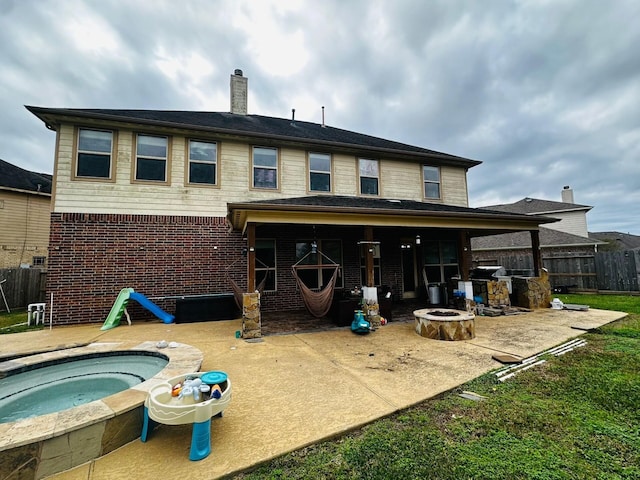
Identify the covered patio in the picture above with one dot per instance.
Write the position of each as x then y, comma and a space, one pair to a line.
399, 246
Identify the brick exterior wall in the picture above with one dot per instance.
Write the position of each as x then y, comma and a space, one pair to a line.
93, 256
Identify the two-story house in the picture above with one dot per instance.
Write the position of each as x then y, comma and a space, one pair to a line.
175, 203
568, 236
25, 210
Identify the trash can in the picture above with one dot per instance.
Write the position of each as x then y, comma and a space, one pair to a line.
434, 294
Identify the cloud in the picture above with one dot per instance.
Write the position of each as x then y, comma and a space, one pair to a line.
545, 93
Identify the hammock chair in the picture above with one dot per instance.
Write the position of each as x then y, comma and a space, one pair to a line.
318, 303
237, 291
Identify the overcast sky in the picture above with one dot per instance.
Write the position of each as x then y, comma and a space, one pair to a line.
545, 93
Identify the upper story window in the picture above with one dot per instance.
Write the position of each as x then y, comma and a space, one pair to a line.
265, 167
151, 158
95, 150
369, 176
431, 179
319, 172
203, 162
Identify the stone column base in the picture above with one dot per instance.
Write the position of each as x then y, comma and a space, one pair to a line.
251, 319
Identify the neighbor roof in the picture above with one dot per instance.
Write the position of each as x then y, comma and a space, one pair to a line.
548, 238
534, 206
623, 241
16, 178
253, 126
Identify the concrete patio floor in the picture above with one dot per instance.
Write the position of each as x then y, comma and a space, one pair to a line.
290, 391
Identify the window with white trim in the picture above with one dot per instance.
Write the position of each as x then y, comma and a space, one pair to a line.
95, 150
431, 179
39, 261
151, 158
369, 176
203, 162
265, 168
319, 172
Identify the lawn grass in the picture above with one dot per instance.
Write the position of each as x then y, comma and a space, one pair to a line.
575, 417
15, 322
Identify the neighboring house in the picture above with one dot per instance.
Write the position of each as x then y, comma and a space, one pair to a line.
25, 210
568, 236
616, 241
567, 251
167, 202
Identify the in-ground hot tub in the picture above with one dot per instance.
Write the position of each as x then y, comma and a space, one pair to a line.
445, 324
39, 446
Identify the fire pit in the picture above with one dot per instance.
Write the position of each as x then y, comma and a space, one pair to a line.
445, 324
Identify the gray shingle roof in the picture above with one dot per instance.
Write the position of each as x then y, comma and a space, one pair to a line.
18, 178
354, 203
517, 240
623, 241
256, 126
531, 206
344, 201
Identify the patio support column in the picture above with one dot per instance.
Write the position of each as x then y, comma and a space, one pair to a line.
464, 253
535, 250
368, 255
251, 257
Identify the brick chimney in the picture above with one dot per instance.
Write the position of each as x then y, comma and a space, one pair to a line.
238, 93
567, 194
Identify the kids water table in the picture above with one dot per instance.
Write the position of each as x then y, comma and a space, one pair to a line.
161, 406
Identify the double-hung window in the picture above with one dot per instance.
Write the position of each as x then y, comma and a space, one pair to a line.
95, 150
431, 179
369, 176
203, 162
151, 158
265, 168
319, 172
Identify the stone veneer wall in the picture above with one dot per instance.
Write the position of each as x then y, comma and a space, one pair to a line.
532, 292
494, 293
251, 319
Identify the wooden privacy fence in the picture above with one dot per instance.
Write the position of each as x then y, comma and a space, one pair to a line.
615, 271
618, 271
22, 287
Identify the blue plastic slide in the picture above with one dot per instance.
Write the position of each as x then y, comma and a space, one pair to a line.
152, 307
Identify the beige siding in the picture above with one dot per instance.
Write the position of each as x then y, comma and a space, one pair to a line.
570, 222
454, 186
345, 175
402, 180
24, 228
